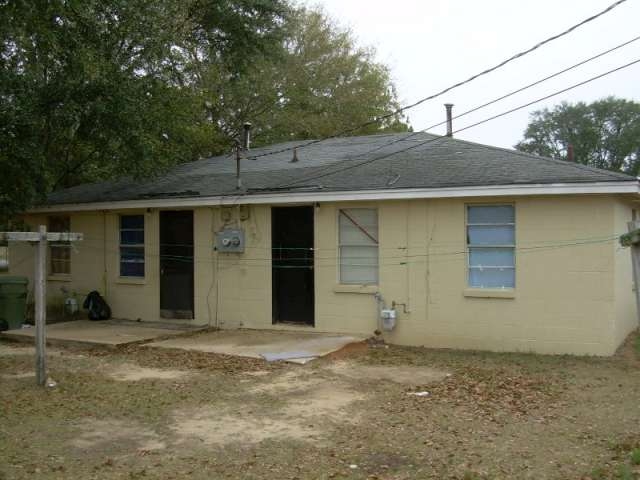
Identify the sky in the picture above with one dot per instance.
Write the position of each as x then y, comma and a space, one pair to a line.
431, 44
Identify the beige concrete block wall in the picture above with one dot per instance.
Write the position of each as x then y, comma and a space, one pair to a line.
244, 280
571, 292
563, 299
87, 259
626, 319
95, 265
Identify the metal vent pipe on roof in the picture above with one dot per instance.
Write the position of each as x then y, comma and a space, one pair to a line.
246, 136
449, 107
238, 157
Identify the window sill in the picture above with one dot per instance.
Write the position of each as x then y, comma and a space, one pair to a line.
489, 292
346, 288
131, 281
60, 277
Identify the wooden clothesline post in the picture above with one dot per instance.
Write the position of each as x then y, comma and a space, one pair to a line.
41, 238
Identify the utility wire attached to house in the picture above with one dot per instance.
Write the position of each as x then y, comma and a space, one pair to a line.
403, 109
439, 138
386, 259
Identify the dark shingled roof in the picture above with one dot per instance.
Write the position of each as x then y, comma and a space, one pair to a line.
443, 162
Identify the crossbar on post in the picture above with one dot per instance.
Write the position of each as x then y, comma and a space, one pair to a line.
41, 238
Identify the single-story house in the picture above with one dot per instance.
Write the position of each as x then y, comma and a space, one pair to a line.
471, 246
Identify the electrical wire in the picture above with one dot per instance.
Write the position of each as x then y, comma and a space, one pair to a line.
384, 260
502, 97
403, 109
439, 138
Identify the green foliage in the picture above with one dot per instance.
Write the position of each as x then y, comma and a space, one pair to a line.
96, 89
635, 453
625, 472
316, 84
604, 134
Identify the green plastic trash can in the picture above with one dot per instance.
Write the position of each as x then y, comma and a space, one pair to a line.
13, 300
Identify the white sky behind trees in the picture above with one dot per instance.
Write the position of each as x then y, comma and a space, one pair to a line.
431, 44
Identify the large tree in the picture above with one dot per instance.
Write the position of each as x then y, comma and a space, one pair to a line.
93, 89
604, 134
318, 83
96, 89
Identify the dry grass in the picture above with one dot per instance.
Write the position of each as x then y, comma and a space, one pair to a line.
496, 416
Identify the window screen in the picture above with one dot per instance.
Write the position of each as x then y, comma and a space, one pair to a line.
358, 243
491, 246
4, 257
132, 245
59, 252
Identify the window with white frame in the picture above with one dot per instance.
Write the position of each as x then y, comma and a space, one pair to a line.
59, 251
132, 245
4, 257
358, 244
491, 242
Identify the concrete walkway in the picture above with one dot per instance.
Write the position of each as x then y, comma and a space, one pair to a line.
270, 345
106, 332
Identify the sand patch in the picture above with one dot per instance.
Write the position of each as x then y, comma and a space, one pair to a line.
298, 407
15, 376
257, 373
14, 351
288, 382
116, 435
405, 375
210, 427
133, 373
327, 401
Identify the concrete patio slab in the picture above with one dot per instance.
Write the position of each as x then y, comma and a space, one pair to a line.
106, 333
270, 345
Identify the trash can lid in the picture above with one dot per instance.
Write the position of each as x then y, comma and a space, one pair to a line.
8, 280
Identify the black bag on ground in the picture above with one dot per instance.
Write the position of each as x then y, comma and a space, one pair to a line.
98, 308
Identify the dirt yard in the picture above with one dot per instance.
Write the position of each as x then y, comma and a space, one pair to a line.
383, 413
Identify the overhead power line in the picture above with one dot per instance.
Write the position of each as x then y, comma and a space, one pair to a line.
502, 97
520, 107
442, 92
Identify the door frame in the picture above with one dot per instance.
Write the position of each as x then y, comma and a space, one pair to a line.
313, 310
173, 316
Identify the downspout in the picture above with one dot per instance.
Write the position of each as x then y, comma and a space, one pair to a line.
407, 307
104, 252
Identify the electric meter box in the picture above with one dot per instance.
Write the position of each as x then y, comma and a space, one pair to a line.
230, 240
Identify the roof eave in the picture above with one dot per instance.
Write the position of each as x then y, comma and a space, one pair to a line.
586, 188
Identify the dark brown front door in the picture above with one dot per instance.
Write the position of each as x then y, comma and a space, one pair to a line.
176, 264
292, 265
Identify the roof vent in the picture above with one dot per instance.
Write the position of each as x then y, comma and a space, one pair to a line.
246, 136
295, 156
449, 107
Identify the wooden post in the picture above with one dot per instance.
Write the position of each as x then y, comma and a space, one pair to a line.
41, 306
41, 238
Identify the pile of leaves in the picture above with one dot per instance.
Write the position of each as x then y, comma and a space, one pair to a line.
490, 392
168, 358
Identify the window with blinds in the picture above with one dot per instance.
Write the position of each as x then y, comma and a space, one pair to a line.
60, 252
358, 245
491, 246
132, 245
